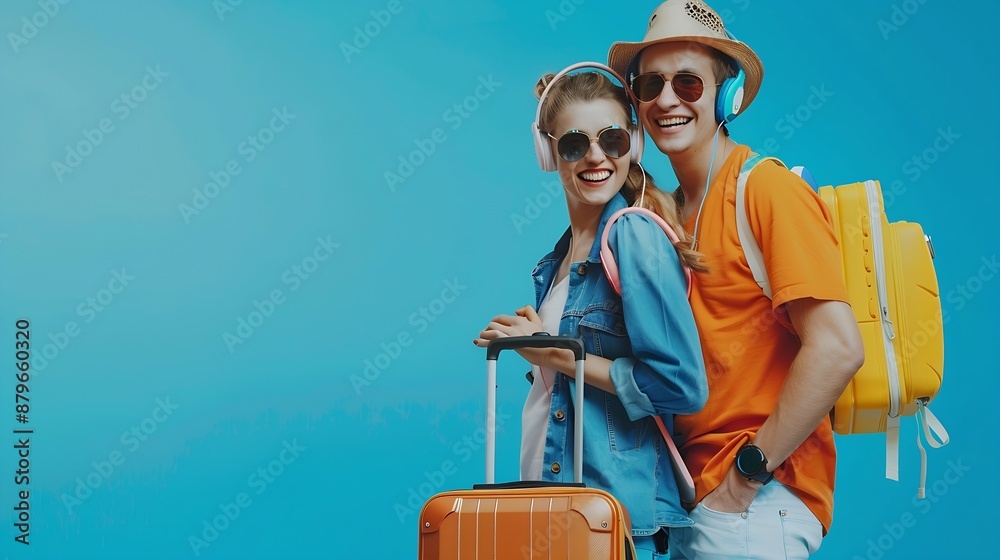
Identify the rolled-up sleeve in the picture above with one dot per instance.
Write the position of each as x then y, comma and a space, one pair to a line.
666, 374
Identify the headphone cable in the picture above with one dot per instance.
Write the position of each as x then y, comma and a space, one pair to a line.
708, 182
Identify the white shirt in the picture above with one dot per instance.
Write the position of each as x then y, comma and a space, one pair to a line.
535, 417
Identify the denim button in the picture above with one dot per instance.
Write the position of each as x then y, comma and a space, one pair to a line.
556, 468
582, 269
560, 415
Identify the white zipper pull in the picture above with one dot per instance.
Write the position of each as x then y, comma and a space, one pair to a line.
887, 323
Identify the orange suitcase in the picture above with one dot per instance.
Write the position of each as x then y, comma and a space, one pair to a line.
530, 519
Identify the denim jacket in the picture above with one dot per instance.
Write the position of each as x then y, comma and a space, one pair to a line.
657, 368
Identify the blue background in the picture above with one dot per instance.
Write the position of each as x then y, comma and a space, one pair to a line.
410, 428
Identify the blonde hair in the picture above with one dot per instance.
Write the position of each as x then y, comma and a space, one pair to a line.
593, 86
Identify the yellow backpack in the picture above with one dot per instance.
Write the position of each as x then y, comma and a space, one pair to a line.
893, 291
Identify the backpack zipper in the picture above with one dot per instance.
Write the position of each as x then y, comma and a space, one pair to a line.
875, 218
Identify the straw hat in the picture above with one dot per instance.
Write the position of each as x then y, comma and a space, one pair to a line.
694, 21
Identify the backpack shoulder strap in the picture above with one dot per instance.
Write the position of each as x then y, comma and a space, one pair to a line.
685, 484
751, 249
608, 258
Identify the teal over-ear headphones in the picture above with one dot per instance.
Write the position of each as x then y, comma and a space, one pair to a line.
729, 100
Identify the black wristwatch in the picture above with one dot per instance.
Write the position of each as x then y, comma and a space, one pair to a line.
752, 464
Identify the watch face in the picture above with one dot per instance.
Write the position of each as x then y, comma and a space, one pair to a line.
750, 461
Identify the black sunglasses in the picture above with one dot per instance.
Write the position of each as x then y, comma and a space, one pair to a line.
573, 145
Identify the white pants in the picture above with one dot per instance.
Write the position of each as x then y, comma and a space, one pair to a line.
777, 525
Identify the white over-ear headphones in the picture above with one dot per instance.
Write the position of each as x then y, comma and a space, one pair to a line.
543, 147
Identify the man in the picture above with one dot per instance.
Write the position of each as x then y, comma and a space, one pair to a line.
776, 365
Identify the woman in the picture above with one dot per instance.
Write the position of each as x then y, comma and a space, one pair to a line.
643, 353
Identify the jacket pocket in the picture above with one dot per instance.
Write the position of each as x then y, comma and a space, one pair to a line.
604, 328
625, 435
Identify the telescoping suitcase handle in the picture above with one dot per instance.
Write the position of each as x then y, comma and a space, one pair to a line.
537, 340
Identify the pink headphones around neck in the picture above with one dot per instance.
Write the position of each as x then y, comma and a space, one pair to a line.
543, 148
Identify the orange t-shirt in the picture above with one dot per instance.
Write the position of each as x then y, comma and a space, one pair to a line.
747, 340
